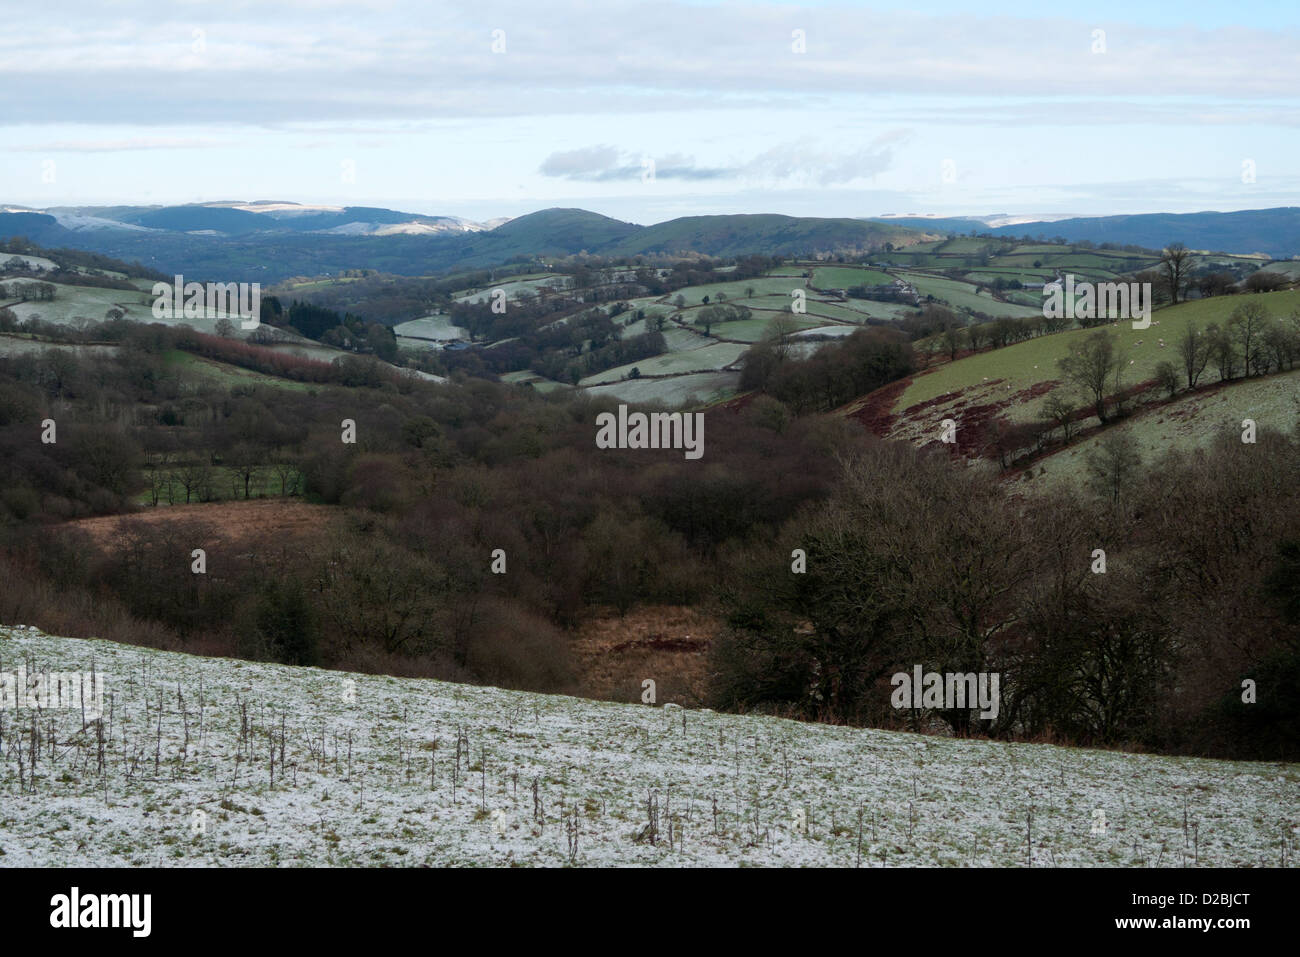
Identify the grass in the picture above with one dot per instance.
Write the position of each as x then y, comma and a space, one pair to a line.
512, 287
225, 488
12, 344
1190, 422
1028, 363
735, 291
961, 295
439, 328
842, 277
692, 389
704, 359
752, 330
228, 376
370, 777
92, 302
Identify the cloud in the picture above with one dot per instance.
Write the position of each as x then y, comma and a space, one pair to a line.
144, 62
605, 164
120, 145
821, 167
795, 161
591, 164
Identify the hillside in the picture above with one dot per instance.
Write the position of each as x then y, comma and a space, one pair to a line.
769, 234
234, 242
1275, 232
1015, 381
80, 309
558, 231
213, 762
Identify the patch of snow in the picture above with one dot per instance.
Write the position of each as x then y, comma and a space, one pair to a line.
220, 762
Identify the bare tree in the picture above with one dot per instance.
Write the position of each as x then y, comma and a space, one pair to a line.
953, 338
1194, 349
1247, 325
1089, 367
1113, 465
780, 333
1060, 412
1167, 376
1175, 263
1222, 351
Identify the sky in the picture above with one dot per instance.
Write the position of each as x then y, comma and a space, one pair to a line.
650, 110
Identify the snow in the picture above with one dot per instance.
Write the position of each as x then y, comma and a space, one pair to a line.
78, 222
37, 263
443, 225
925, 800
288, 209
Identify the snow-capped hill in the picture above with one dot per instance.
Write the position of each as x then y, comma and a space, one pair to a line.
274, 208
229, 218
426, 227
81, 223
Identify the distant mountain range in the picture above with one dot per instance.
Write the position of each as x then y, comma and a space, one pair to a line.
272, 240
1275, 232
268, 241
236, 218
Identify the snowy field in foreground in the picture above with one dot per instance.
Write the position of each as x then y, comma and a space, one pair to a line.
786, 793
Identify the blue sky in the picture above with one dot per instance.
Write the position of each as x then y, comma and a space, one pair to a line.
829, 109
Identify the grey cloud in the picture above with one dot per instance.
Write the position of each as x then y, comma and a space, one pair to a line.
822, 167
590, 163
787, 161
605, 164
137, 63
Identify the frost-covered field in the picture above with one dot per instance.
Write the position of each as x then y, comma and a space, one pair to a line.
216, 762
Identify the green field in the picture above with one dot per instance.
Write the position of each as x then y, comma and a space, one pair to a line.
842, 277
308, 349
1288, 268
1271, 401
512, 287
18, 343
684, 340
539, 383
192, 367
751, 330
961, 295
90, 302
693, 389
704, 359
225, 487
736, 291
1028, 363
964, 244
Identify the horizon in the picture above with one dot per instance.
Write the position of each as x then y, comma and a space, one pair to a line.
1023, 218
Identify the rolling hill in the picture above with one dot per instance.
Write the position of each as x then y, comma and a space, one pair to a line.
1275, 232
1014, 383
766, 233
236, 243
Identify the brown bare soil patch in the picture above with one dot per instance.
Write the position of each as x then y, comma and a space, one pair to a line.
875, 410
665, 643
232, 522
